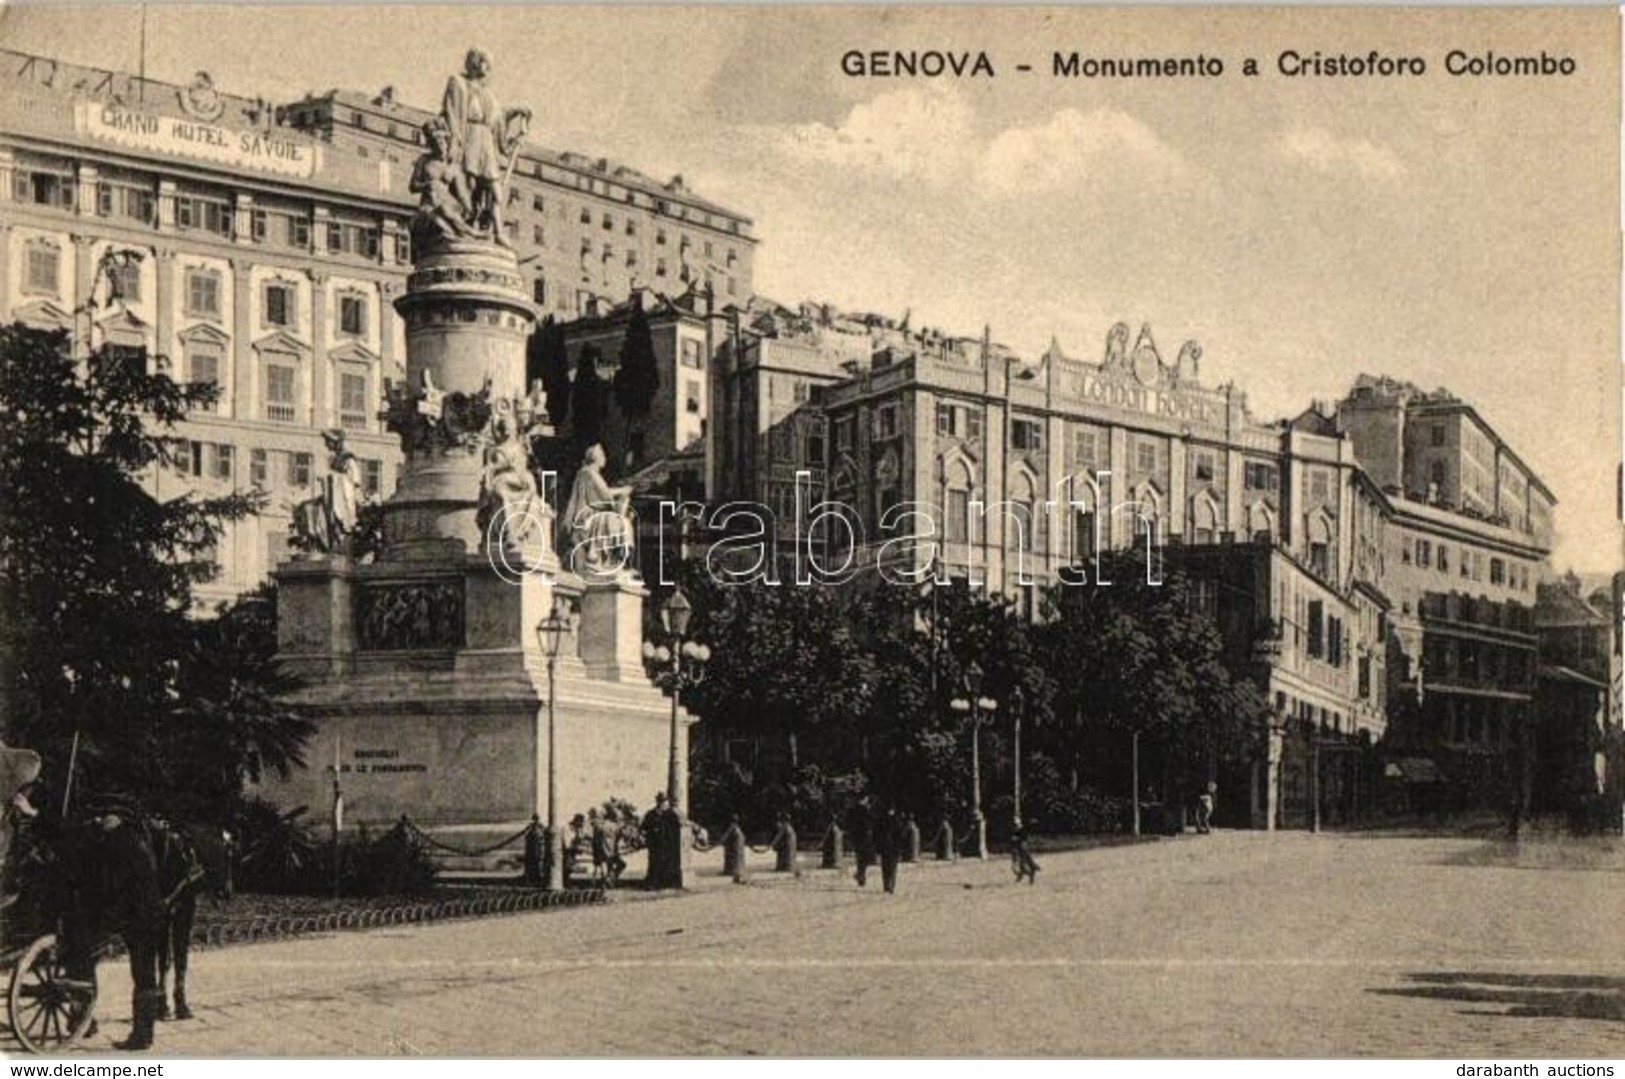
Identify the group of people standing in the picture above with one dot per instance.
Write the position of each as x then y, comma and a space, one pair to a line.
882, 836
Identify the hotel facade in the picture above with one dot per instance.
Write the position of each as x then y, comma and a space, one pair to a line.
261, 245
1322, 573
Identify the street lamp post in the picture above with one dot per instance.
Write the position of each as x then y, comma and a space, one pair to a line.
1134, 776
976, 707
672, 674
550, 632
1018, 700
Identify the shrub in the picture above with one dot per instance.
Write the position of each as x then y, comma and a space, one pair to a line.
281, 856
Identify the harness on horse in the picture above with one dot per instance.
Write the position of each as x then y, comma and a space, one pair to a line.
176, 856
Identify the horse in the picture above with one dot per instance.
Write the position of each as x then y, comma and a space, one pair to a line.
193, 859
138, 879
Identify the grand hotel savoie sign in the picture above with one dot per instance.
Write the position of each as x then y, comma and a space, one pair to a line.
187, 137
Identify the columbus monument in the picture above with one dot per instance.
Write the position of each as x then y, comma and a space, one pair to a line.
425, 662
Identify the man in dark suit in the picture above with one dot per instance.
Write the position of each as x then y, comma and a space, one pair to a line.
860, 829
889, 842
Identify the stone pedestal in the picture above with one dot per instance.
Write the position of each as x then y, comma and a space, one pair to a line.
612, 629
423, 667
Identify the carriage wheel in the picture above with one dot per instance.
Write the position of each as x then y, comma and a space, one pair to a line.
49, 1010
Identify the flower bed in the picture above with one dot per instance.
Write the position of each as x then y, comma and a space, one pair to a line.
248, 918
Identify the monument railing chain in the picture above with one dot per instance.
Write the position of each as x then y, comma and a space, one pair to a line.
428, 840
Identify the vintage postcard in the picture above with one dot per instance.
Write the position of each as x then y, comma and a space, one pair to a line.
612, 531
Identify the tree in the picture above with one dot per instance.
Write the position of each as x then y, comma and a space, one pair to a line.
920, 748
96, 574
587, 398
638, 378
784, 667
1135, 657
548, 359
230, 724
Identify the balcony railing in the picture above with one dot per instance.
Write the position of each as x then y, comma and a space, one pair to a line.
353, 421
281, 413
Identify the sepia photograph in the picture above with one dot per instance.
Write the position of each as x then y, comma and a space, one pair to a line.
976, 531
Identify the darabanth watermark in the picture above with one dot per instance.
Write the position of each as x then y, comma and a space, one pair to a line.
828, 541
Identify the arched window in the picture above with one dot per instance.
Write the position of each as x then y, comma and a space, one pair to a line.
1204, 519
1261, 523
1145, 511
957, 493
1320, 546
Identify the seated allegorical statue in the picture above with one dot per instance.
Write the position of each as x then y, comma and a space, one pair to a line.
595, 532
444, 202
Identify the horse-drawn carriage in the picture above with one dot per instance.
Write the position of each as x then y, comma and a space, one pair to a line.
47, 1009
75, 890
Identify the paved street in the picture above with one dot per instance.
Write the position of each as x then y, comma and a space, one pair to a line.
1234, 944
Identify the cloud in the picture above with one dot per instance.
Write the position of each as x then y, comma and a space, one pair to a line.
913, 133
930, 135
1074, 147
1324, 152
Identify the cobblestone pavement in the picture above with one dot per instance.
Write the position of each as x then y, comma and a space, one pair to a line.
1233, 944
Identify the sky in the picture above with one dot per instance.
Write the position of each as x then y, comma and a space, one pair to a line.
1458, 232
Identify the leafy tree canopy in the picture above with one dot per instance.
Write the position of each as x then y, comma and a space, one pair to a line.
96, 579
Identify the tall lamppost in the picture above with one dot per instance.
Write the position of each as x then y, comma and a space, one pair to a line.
980, 710
1018, 701
676, 668
550, 632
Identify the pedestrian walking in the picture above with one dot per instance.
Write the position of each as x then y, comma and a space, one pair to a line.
607, 863
861, 830
1204, 809
534, 849
889, 842
654, 842
1021, 858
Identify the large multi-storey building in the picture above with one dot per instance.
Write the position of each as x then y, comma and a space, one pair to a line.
588, 230
1467, 536
260, 246
1325, 572
254, 256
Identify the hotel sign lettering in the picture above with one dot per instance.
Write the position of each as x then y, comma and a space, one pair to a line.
1198, 407
179, 135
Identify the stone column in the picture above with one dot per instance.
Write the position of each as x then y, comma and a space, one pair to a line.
318, 348
467, 317
164, 302
83, 325
84, 270
5, 269
166, 205
323, 220
1235, 506
388, 230
1272, 778
8, 164
85, 197
1178, 503
242, 350
1119, 528
388, 291
242, 218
